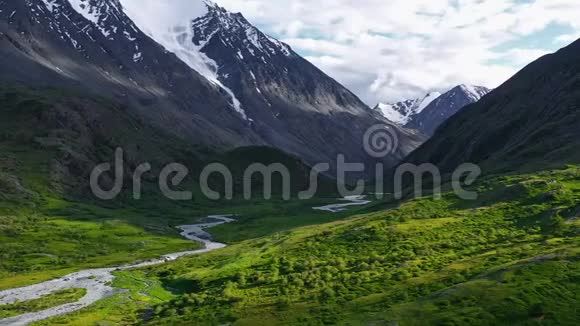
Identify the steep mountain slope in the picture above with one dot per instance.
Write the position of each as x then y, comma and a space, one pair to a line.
402, 112
57, 137
531, 121
274, 98
444, 107
66, 136
49, 43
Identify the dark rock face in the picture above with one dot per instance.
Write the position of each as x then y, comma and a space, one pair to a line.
530, 122
444, 107
287, 102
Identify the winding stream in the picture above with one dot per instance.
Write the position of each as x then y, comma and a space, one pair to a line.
350, 201
96, 281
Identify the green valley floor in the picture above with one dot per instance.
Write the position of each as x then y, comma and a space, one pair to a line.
511, 257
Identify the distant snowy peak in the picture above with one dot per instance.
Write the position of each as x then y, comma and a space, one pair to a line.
391, 112
444, 107
402, 112
475, 93
194, 29
234, 31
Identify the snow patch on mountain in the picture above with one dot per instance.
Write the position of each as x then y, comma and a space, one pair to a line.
389, 112
426, 101
51, 4
172, 29
475, 93
84, 8
95, 12
402, 112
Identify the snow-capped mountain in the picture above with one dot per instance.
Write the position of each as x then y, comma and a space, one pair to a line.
92, 45
445, 106
207, 75
474, 93
401, 112
177, 34
427, 113
282, 93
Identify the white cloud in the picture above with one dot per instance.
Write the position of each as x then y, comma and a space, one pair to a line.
524, 56
159, 16
567, 38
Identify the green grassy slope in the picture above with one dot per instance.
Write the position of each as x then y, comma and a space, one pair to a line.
510, 258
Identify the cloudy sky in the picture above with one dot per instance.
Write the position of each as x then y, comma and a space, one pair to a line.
387, 50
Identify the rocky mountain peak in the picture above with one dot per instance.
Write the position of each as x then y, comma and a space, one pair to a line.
445, 106
401, 112
236, 33
106, 15
427, 113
